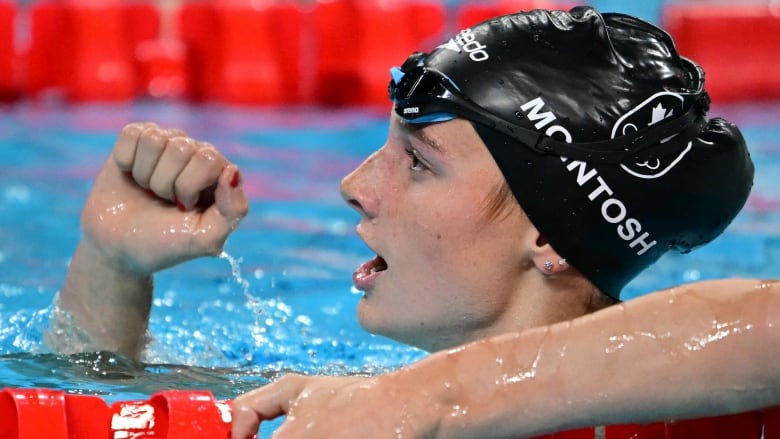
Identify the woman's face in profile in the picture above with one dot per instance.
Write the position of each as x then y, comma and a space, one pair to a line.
444, 272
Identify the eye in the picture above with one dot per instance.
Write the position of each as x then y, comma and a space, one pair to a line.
417, 164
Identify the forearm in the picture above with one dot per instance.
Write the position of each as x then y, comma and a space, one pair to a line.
108, 302
705, 349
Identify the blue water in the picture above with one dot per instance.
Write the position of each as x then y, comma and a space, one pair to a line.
285, 303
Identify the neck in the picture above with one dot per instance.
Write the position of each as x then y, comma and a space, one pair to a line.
537, 300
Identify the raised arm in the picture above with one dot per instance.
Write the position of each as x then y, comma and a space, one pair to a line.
160, 199
707, 348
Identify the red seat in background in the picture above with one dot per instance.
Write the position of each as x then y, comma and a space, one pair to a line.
471, 13
391, 32
48, 61
243, 52
8, 84
357, 41
85, 50
738, 45
163, 69
334, 52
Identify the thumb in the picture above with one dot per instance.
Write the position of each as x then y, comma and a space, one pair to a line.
230, 203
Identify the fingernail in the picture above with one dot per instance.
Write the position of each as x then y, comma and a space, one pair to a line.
181, 206
236, 179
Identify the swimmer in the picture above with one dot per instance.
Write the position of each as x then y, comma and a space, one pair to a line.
703, 349
535, 164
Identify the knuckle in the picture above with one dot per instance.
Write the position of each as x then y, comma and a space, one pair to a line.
133, 128
291, 379
210, 154
153, 138
183, 146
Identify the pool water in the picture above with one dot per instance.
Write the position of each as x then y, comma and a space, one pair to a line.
281, 298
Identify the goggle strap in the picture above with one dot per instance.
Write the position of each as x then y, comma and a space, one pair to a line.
621, 148
617, 150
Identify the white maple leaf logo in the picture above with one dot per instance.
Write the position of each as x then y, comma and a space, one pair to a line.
659, 114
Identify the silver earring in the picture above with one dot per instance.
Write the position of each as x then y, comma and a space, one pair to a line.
548, 265
562, 262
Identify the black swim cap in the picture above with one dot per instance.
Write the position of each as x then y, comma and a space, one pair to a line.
599, 128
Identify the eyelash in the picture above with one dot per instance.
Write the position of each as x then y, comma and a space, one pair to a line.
417, 164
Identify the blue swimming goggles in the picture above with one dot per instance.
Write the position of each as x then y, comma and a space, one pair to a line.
425, 95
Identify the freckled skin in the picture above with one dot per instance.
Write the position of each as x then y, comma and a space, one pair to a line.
453, 276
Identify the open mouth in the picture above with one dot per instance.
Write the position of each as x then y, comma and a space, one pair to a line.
378, 264
365, 276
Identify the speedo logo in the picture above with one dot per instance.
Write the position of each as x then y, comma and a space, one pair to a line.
613, 210
467, 42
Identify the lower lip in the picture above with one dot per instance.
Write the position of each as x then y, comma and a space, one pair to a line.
365, 277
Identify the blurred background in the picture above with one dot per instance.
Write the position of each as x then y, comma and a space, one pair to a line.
295, 92
324, 52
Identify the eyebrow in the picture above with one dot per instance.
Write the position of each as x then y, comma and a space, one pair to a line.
416, 130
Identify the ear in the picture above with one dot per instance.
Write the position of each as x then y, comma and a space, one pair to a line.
546, 259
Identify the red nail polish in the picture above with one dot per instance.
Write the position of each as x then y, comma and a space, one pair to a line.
236, 179
128, 173
181, 206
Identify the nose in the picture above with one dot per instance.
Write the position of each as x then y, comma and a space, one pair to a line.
359, 188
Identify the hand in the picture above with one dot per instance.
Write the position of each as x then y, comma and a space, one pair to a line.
161, 199
336, 407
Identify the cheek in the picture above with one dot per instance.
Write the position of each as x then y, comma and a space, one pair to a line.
450, 233
483, 255
449, 256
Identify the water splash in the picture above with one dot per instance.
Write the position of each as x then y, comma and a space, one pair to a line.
235, 272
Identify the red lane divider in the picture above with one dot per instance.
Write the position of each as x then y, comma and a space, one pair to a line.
32, 414
53, 414
771, 423
634, 431
581, 433
87, 416
743, 426
182, 414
